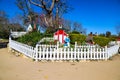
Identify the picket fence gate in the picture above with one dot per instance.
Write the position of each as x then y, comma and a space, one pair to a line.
55, 53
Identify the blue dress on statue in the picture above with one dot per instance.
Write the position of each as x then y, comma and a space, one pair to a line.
67, 41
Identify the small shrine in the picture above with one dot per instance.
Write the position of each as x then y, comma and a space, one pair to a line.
60, 35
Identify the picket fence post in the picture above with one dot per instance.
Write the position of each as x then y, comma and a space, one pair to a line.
9, 45
57, 52
106, 53
57, 45
36, 52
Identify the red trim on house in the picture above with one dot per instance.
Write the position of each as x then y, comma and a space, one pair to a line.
60, 32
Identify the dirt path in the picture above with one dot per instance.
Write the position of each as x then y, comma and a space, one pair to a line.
19, 68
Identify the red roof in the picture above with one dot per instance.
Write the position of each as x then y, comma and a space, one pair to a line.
60, 32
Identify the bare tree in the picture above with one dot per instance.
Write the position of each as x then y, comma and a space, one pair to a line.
67, 24
50, 13
53, 10
5, 25
78, 27
29, 15
24, 5
62, 7
47, 6
3, 18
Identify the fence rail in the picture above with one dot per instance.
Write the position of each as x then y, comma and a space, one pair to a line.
112, 50
53, 52
22, 48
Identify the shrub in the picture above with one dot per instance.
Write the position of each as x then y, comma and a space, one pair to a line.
30, 38
79, 38
101, 41
112, 39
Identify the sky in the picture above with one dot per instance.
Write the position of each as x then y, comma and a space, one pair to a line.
94, 15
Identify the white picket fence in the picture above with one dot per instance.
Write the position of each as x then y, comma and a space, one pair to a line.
112, 50
53, 52
22, 48
70, 53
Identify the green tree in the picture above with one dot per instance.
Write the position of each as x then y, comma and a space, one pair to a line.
108, 34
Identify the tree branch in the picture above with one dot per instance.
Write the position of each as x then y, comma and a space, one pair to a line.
44, 5
36, 3
52, 5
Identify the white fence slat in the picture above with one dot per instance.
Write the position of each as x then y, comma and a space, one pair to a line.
68, 53
81, 52
60, 54
88, 52
78, 54
57, 54
75, 53
46, 54
64, 53
91, 54
53, 54
50, 55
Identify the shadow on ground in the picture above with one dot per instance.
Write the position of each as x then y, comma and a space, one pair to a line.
3, 44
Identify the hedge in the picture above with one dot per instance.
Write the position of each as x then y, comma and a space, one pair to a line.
79, 38
30, 38
101, 41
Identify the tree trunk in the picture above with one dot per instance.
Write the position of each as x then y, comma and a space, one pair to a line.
49, 20
35, 26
